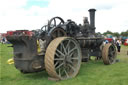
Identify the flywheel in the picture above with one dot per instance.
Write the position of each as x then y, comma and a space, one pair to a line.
109, 53
63, 58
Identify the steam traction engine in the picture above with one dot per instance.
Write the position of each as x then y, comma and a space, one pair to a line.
59, 48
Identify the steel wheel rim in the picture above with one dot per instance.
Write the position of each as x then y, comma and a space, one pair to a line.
112, 54
109, 54
67, 59
54, 60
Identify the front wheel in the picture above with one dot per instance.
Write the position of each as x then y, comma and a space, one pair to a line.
109, 54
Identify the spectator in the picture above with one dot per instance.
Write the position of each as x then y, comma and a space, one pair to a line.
106, 41
3, 40
118, 44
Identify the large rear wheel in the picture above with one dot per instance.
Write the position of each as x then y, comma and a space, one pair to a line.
63, 58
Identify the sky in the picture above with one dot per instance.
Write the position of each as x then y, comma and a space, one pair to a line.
33, 14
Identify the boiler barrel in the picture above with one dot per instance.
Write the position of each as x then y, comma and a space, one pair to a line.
90, 42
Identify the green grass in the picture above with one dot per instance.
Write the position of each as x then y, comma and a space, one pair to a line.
91, 73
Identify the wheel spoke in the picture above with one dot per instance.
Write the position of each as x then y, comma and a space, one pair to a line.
57, 54
60, 52
75, 58
70, 62
59, 72
45, 27
60, 59
72, 49
71, 67
70, 55
111, 59
56, 63
61, 48
60, 23
66, 73
54, 22
59, 65
110, 54
64, 48
113, 52
110, 48
68, 49
68, 44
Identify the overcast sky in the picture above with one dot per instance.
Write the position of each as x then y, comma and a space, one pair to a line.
33, 14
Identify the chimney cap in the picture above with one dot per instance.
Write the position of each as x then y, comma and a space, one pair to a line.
92, 10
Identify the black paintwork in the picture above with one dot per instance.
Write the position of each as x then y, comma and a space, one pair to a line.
25, 47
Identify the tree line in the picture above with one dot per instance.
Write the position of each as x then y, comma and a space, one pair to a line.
117, 34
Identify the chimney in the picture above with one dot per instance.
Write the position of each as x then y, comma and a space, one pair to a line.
92, 17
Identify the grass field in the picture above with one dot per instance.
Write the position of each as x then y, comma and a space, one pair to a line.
91, 73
